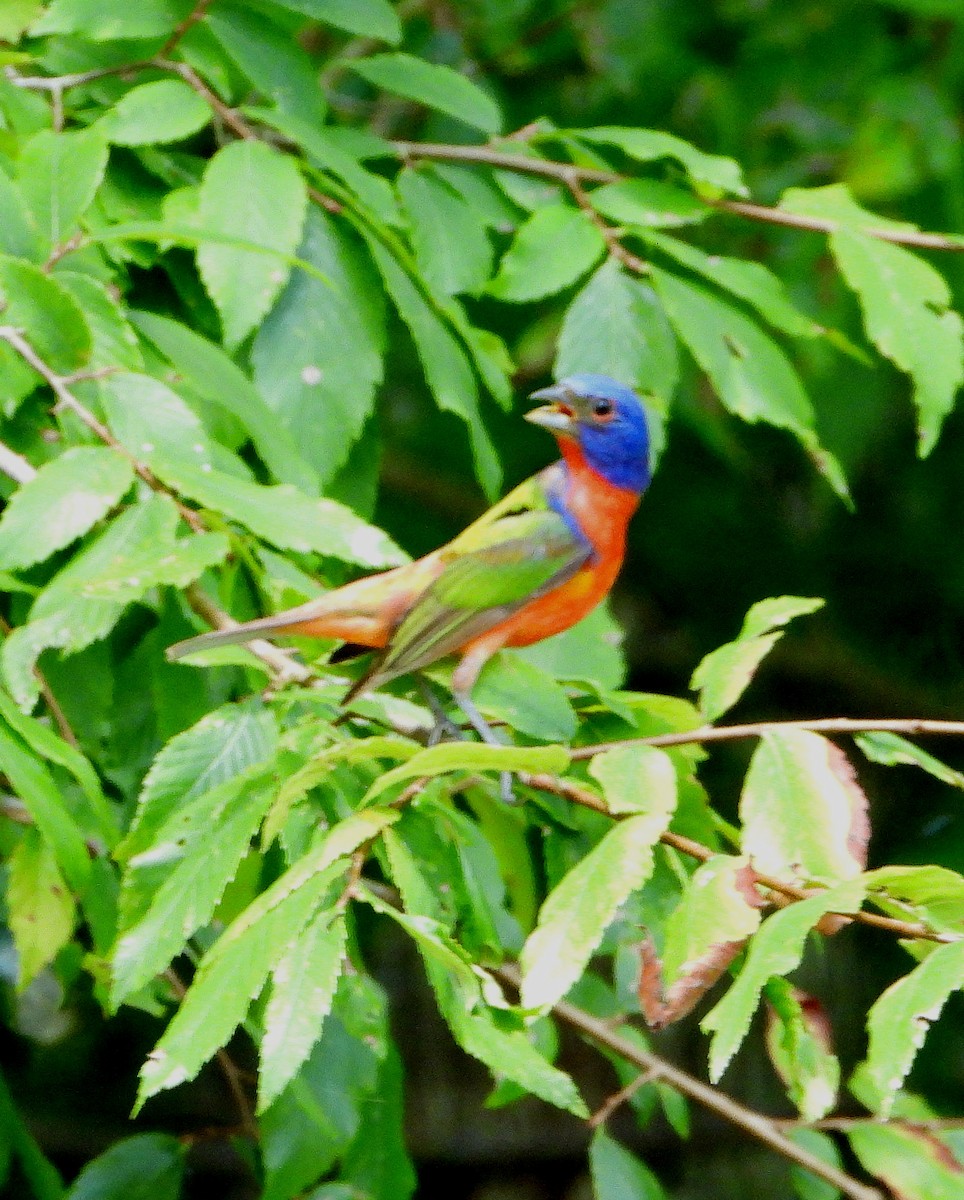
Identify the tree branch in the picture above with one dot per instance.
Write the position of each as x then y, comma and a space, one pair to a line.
763, 1128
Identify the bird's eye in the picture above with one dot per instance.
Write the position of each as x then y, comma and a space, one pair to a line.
602, 409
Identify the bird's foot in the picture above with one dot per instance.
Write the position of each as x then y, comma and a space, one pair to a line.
444, 729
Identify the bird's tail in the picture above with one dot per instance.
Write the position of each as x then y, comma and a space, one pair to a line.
232, 636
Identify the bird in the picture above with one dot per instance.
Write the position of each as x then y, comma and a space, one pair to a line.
530, 567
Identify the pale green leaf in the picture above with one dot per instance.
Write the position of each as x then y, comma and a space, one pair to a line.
712, 912
174, 566
147, 1166
578, 911
303, 986
451, 247
16, 16
149, 419
910, 1161
107, 20
166, 110
893, 750
798, 1046
527, 698
251, 191
473, 756
719, 174
40, 908
367, 18
775, 950
208, 370
18, 236
619, 1175
58, 175
900, 1019
551, 250
65, 499
777, 611
648, 202
751, 374
284, 516
802, 810
616, 325
50, 319
636, 779
436, 86
317, 358
931, 894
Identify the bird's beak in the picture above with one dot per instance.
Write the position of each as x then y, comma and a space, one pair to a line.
557, 415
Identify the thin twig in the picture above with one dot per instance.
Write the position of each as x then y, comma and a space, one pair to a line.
235, 123
15, 465
754, 1123
180, 30
617, 1099
611, 235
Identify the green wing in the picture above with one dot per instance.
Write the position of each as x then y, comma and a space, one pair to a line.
514, 553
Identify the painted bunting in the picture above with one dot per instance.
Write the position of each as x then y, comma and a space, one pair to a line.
530, 567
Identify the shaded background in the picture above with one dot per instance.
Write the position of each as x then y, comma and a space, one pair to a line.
801, 93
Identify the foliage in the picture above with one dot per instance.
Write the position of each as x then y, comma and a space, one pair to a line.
225, 289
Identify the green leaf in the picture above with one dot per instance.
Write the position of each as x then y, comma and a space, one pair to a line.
208, 370
251, 191
590, 651
65, 499
905, 305
451, 247
798, 1043
911, 1162
107, 20
578, 911
472, 756
931, 894
147, 1166
303, 986
892, 750
318, 357
194, 870
18, 236
446, 366
41, 1175
805, 1185
775, 950
527, 698
749, 371
271, 58
284, 516
367, 18
177, 566
552, 249
719, 174
58, 174
377, 1163
16, 17
635, 778
723, 675
648, 202
430, 84
802, 810
899, 1020
39, 905
166, 110
616, 325
619, 1175
114, 341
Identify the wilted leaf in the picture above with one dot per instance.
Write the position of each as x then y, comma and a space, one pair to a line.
799, 1041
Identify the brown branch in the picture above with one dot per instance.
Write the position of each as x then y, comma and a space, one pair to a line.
754, 1123
574, 792
180, 30
235, 123
617, 1099
611, 235
843, 1124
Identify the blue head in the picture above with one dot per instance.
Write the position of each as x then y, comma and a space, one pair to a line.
606, 419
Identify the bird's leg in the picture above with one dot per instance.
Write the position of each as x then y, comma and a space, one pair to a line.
444, 729
489, 736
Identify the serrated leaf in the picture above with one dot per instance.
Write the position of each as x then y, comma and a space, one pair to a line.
114, 342
648, 203
527, 698
648, 145
717, 907
40, 908
317, 358
436, 86
191, 871
284, 516
174, 566
107, 20
50, 319
910, 1161
58, 174
446, 366
775, 950
18, 235
367, 18
636, 779
750, 373
211, 373
253, 192
166, 110
473, 756
451, 247
135, 1168
275, 61
616, 325
892, 750
900, 1019
619, 1175
931, 894
150, 419
723, 675
578, 911
551, 250
905, 303
798, 1042
801, 809
65, 499
303, 986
